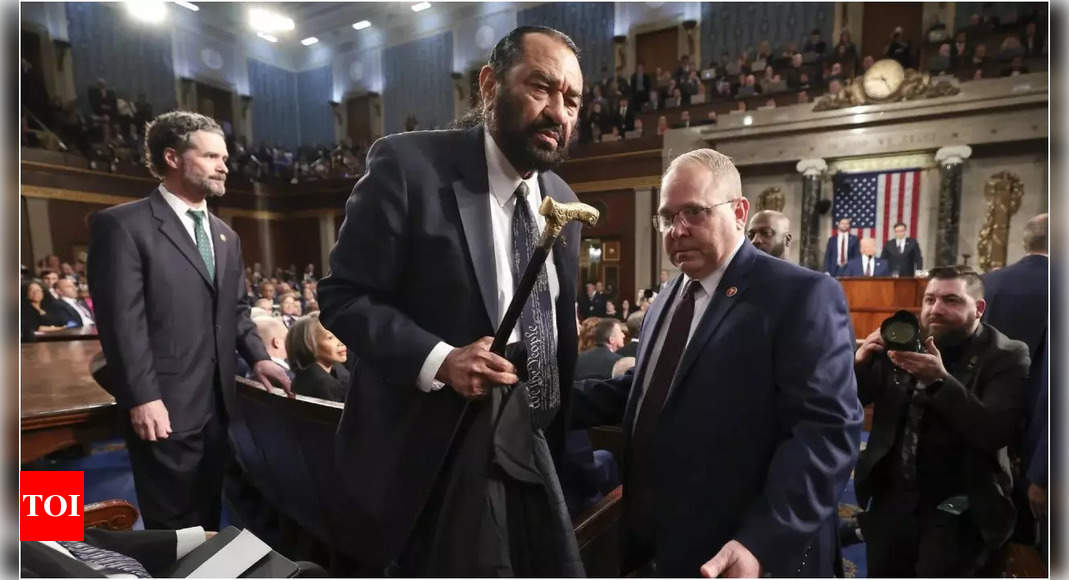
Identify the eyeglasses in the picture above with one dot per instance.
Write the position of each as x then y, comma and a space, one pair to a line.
693, 215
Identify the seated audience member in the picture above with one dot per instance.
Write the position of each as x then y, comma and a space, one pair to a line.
268, 291
76, 313
867, 264
976, 63
265, 304
959, 51
1010, 48
1031, 44
769, 104
586, 333
311, 306
653, 101
803, 97
610, 310
935, 468
942, 61
625, 310
1016, 67
273, 333
866, 63
596, 363
899, 48
835, 87
835, 73
662, 125
39, 315
770, 232
740, 107
289, 308
634, 326
637, 131
318, 359
48, 281
684, 120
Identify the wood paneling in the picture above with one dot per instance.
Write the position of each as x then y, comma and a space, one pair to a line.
69, 221
296, 241
249, 231
616, 224
872, 300
659, 48
879, 21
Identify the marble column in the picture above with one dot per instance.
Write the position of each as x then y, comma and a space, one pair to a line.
950, 160
812, 171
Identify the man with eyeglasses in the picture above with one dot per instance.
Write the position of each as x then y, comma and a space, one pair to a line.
769, 232
741, 417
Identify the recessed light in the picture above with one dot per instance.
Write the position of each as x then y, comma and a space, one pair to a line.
309, 41
267, 37
420, 6
187, 5
362, 24
266, 21
151, 12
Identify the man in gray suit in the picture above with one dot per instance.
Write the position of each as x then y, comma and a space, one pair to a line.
167, 282
456, 212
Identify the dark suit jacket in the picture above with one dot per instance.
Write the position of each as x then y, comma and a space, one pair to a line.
595, 363
1017, 298
168, 330
154, 549
629, 349
903, 263
68, 313
831, 254
313, 381
419, 218
761, 426
974, 415
856, 267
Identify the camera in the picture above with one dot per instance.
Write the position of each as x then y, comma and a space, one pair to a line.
902, 331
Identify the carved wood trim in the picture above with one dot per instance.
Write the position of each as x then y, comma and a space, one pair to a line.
113, 514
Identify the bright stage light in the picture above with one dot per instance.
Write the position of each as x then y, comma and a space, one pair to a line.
147, 11
309, 41
267, 37
266, 21
420, 6
362, 24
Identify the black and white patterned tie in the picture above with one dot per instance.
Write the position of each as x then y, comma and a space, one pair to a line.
536, 318
105, 561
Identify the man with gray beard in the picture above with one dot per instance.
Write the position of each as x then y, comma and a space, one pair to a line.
456, 212
168, 288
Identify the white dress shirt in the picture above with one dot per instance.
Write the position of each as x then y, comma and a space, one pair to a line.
87, 318
180, 207
868, 265
901, 245
702, 298
842, 247
503, 180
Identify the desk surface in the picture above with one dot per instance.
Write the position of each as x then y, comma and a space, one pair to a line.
79, 333
56, 379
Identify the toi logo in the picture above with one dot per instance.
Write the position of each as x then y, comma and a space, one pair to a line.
51, 505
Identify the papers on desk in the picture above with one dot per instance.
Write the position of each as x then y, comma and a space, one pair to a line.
233, 559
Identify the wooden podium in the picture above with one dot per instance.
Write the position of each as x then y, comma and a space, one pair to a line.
871, 300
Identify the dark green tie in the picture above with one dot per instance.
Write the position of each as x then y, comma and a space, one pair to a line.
204, 245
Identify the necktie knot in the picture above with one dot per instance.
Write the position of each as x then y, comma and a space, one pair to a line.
521, 192
197, 215
692, 288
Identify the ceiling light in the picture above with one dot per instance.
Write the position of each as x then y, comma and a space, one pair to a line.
267, 37
187, 5
147, 11
420, 6
309, 41
266, 21
361, 25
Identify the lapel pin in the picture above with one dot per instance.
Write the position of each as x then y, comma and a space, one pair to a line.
732, 291
222, 237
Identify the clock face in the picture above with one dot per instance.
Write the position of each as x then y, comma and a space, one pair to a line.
883, 79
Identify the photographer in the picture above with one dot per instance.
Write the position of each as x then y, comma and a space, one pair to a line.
947, 398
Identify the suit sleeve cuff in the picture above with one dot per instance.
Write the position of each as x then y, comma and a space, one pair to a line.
187, 540
431, 364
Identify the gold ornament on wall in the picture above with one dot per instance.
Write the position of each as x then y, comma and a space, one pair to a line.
771, 198
1003, 192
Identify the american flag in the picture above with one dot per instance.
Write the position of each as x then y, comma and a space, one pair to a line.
875, 202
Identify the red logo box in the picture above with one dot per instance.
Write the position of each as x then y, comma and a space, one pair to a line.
51, 505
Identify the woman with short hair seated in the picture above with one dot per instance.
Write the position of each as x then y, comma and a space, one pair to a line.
318, 358
38, 312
